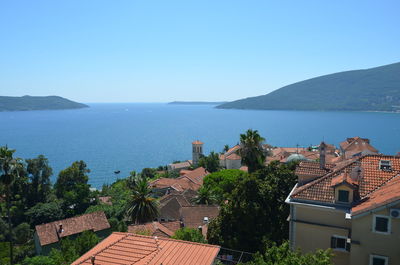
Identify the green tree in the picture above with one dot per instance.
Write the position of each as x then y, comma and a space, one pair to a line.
221, 184
39, 172
148, 173
205, 196
43, 213
141, 208
189, 234
256, 211
10, 169
72, 187
226, 148
210, 162
282, 255
22, 233
38, 260
251, 150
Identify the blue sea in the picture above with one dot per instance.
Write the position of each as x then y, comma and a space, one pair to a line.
126, 137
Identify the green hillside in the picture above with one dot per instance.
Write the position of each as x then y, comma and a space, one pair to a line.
375, 89
38, 103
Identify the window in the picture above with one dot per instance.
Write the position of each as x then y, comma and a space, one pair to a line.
378, 260
343, 196
340, 243
385, 165
381, 224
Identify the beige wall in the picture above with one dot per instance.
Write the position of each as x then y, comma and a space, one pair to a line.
375, 243
324, 223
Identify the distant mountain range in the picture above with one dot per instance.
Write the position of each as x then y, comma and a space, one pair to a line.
38, 103
198, 102
374, 89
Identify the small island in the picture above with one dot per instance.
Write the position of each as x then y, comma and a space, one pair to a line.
26, 103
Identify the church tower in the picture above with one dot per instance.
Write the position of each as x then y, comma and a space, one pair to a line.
197, 151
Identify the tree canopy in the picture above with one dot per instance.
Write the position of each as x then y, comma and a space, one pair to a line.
251, 150
256, 200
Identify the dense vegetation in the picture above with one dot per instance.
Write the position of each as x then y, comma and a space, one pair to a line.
375, 89
38, 103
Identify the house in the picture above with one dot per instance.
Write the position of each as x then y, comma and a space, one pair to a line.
131, 249
192, 180
198, 216
164, 229
231, 158
356, 146
48, 236
179, 166
354, 208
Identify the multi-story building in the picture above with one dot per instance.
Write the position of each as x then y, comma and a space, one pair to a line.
353, 208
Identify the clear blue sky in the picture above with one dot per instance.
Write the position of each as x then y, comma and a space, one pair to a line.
159, 51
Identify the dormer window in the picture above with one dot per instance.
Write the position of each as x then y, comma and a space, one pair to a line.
385, 165
343, 196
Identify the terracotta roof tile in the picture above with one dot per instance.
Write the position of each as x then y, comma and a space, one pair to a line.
193, 216
196, 176
126, 248
371, 178
155, 228
387, 193
234, 157
197, 142
50, 233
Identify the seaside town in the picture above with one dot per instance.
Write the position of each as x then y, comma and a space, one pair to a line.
252, 203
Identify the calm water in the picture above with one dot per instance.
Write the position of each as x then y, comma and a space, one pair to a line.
128, 137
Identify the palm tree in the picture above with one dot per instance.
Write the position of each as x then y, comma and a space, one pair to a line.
9, 171
251, 150
141, 206
205, 196
226, 148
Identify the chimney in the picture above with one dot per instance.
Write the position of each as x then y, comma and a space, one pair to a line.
93, 259
60, 229
322, 153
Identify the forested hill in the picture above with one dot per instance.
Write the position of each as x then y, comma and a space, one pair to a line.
37, 103
375, 89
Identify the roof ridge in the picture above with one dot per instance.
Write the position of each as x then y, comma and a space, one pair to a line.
69, 218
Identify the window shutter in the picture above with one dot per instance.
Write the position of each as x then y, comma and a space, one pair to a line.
333, 242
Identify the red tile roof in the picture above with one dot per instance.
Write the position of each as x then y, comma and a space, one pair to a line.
50, 233
357, 144
131, 249
234, 157
197, 175
197, 142
231, 150
312, 168
193, 216
105, 200
371, 179
155, 229
389, 192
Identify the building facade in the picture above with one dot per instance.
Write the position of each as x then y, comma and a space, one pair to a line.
354, 209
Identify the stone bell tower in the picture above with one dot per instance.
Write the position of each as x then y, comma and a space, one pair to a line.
197, 151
